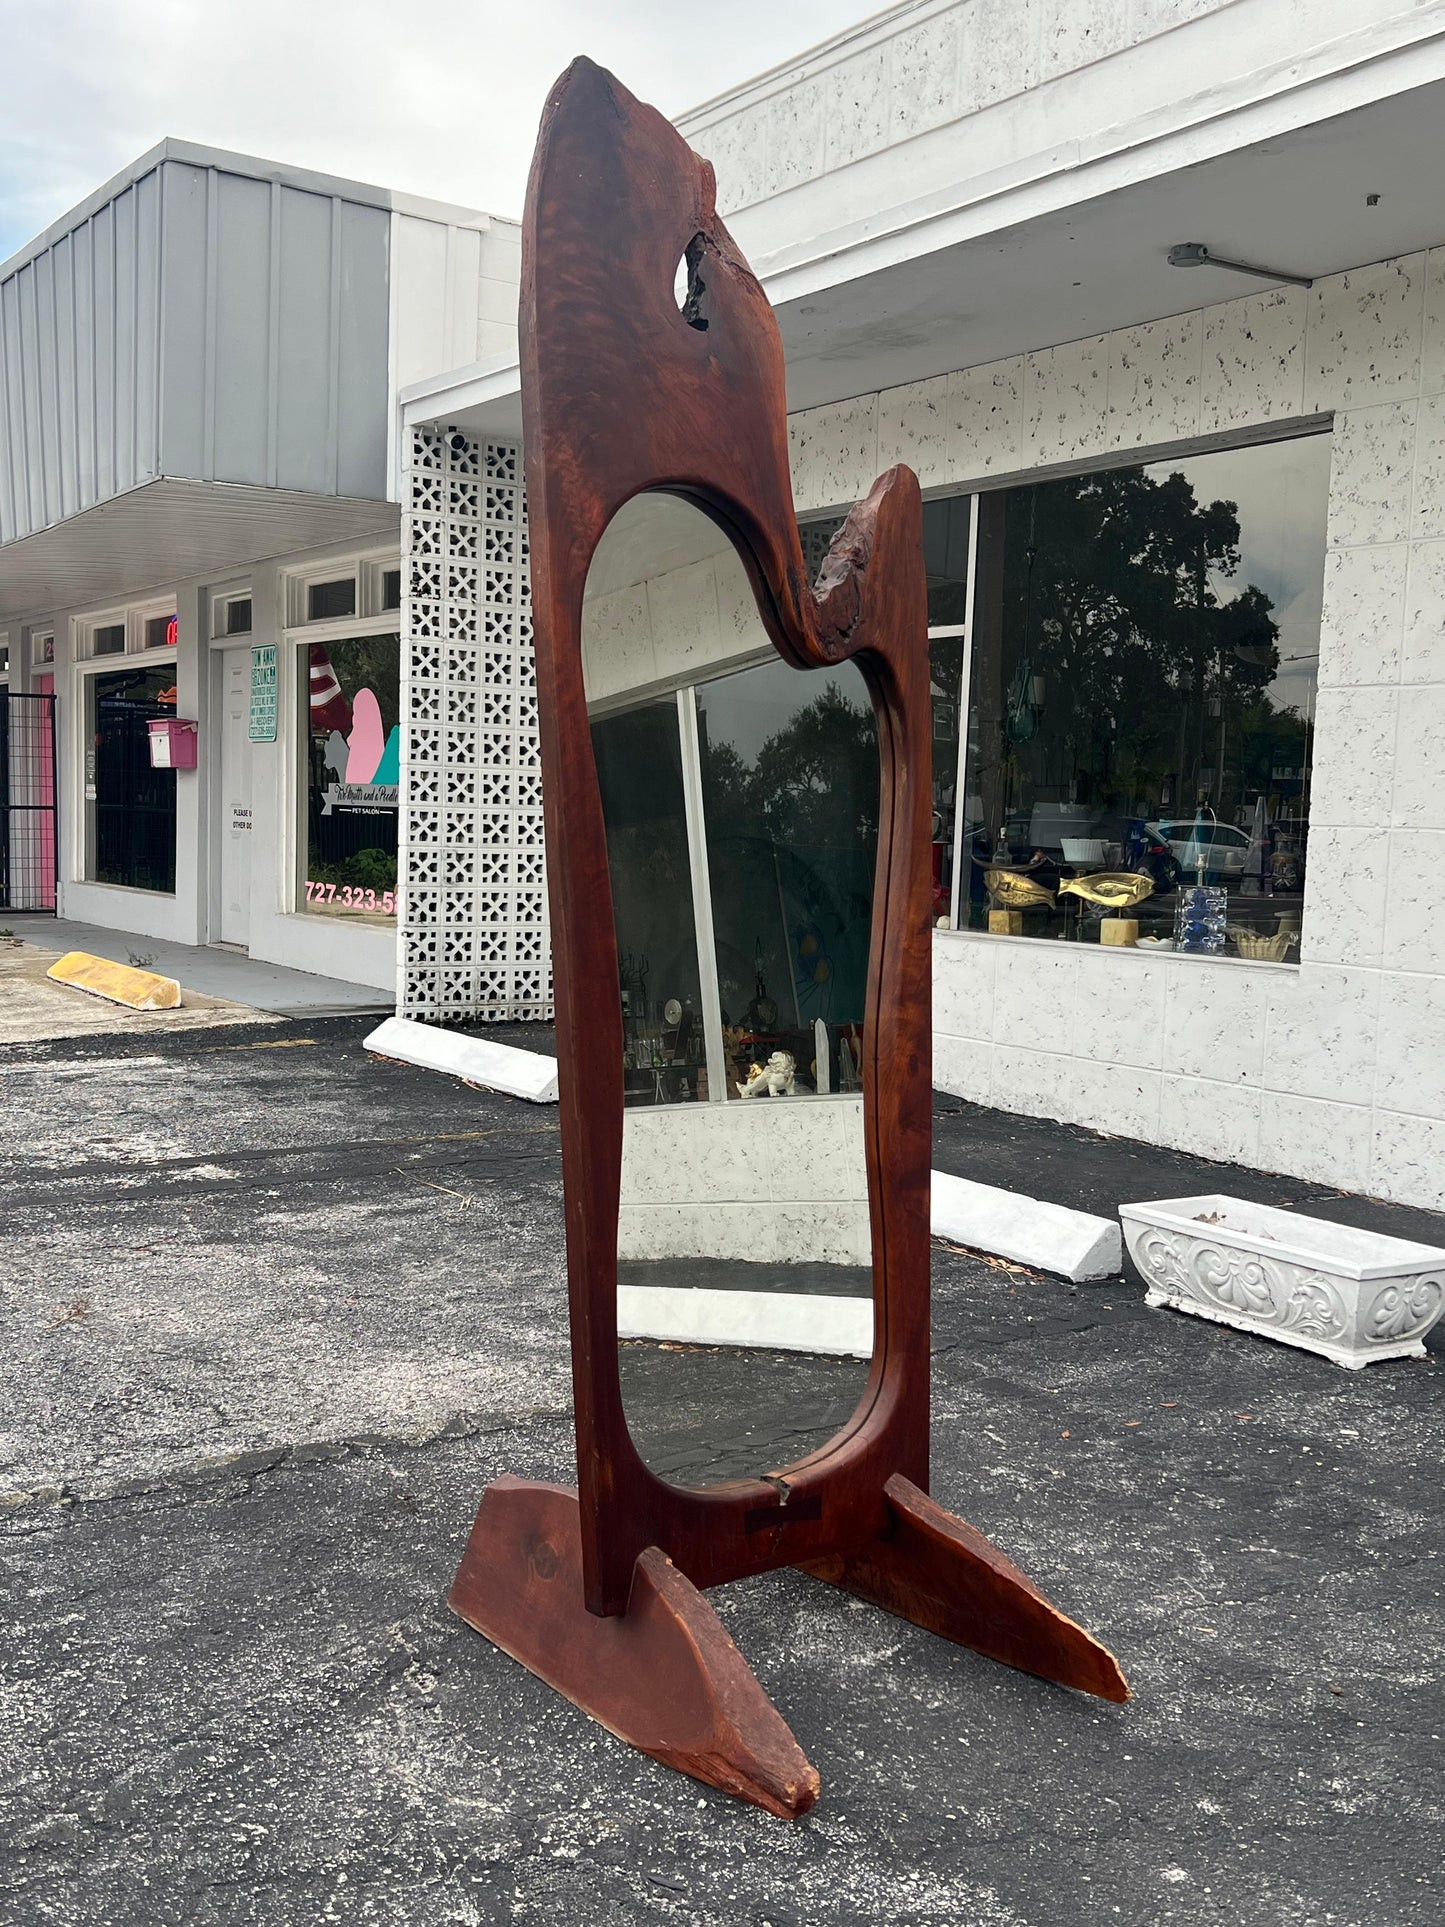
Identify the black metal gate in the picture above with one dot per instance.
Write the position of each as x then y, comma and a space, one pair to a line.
29, 844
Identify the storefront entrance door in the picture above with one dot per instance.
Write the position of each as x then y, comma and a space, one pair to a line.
235, 825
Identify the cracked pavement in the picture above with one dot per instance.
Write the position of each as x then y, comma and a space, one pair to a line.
272, 1314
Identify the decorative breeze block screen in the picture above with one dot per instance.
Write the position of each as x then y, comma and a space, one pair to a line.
474, 938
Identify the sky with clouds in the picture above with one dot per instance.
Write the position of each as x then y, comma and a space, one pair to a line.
440, 97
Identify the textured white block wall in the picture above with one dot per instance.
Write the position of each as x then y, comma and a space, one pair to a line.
677, 627
906, 73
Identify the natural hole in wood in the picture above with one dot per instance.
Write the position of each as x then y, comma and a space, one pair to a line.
688, 286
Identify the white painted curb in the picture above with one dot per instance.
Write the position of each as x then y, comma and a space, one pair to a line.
785, 1321
500, 1067
1071, 1244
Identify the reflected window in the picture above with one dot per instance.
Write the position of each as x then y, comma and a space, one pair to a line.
639, 774
789, 766
947, 528
780, 818
351, 764
1141, 704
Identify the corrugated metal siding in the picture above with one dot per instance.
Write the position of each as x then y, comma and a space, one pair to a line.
205, 324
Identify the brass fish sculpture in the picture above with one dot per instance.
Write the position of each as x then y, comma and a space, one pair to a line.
1016, 892
1110, 889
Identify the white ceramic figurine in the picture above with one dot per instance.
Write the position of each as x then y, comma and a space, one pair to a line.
775, 1077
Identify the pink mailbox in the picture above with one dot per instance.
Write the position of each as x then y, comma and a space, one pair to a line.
173, 743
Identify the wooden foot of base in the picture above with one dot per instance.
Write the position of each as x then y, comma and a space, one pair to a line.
664, 1676
939, 1573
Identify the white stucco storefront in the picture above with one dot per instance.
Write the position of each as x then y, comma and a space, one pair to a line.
199, 521
890, 249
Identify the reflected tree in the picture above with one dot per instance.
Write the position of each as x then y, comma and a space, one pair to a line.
1118, 600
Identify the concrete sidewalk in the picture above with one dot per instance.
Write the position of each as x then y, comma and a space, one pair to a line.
206, 968
272, 1314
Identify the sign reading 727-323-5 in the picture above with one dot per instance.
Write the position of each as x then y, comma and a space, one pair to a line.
263, 692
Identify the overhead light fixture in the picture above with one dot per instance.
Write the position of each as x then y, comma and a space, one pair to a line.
1194, 254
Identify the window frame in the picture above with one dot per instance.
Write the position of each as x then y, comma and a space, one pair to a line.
222, 600
132, 617
366, 570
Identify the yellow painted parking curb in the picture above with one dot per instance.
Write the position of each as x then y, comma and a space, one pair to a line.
117, 983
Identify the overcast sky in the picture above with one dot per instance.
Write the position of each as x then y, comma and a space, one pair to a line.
437, 96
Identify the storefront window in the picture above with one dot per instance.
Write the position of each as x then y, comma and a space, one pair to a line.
130, 807
351, 748
1141, 703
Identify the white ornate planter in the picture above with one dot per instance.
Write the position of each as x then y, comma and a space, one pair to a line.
1352, 1296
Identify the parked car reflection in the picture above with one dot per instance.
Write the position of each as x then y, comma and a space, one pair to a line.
1225, 849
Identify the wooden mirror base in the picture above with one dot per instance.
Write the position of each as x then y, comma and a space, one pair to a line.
666, 1677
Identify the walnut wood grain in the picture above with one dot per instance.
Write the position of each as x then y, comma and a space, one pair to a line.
663, 1676
624, 391
940, 1573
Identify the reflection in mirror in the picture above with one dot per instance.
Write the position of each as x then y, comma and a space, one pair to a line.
741, 803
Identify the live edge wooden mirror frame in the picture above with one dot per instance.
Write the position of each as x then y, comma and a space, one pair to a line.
627, 389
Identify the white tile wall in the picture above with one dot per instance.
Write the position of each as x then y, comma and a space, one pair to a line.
1254, 359
671, 629
1364, 334
1066, 401
781, 1181
1432, 372
1364, 615
1422, 658
834, 452
1374, 458
1155, 375
925, 76
913, 428
986, 420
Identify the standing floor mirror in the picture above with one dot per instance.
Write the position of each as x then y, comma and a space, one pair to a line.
736, 786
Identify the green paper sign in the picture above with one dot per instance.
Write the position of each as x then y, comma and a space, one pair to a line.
263, 692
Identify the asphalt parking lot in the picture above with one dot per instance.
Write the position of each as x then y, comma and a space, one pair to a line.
272, 1314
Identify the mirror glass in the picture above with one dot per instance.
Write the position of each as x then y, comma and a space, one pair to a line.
741, 800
